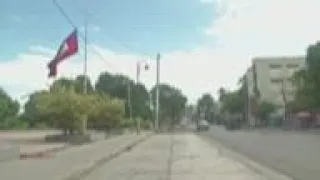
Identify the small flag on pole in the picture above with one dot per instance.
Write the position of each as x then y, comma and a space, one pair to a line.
67, 48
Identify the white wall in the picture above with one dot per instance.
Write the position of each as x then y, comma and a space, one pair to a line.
271, 71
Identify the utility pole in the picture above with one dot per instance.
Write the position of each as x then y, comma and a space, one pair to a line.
151, 107
129, 100
157, 94
247, 99
138, 72
85, 67
137, 81
66, 16
284, 97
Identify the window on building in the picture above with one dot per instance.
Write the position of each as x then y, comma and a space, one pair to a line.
292, 66
274, 66
291, 93
276, 80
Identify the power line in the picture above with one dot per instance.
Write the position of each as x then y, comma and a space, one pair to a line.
82, 36
64, 14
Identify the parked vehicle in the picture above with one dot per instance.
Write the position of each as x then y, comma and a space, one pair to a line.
232, 124
203, 125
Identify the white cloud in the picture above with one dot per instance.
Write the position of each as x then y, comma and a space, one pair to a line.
249, 28
194, 72
267, 26
244, 28
207, 1
38, 49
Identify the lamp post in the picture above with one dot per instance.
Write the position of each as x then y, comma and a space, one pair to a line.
284, 97
138, 72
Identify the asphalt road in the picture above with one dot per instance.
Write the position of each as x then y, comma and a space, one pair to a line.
294, 154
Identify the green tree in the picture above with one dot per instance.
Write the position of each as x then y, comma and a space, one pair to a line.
172, 104
118, 86
264, 110
305, 89
62, 82
233, 102
31, 113
79, 84
307, 81
107, 112
69, 109
222, 92
206, 105
141, 102
8, 111
106, 84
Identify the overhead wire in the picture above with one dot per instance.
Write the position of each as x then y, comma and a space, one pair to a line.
67, 17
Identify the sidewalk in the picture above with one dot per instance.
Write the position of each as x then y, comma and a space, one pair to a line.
66, 163
177, 157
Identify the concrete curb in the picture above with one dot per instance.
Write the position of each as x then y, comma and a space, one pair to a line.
43, 154
86, 170
48, 153
269, 173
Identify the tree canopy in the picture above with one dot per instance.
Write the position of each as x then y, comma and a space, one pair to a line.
206, 107
172, 103
8, 110
65, 106
232, 101
118, 86
307, 81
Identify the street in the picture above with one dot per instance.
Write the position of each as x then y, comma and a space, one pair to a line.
295, 154
181, 156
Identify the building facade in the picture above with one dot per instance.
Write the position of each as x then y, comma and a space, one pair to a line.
270, 80
273, 77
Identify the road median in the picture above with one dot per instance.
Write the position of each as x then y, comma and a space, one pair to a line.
72, 162
83, 171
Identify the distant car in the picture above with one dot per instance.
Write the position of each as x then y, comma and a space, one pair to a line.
232, 124
203, 125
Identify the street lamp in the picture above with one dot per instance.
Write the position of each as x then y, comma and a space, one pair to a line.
284, 97
145, 66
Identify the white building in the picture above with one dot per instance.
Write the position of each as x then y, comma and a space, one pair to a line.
271, 79
274, 77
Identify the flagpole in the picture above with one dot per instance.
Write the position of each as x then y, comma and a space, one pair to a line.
85, 80
137, 81
157, 94
85, 66
65, 15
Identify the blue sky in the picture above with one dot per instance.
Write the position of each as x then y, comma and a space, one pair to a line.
204, 44
142, 26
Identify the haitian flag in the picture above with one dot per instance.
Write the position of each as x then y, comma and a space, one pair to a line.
67, 48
